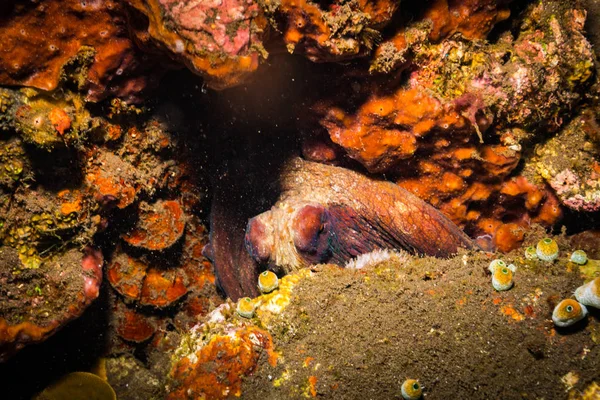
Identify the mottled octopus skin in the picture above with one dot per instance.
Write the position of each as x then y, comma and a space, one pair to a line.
330, 214
339, 214
236, 271
236, 198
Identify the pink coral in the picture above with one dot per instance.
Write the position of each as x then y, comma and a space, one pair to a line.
218, 39
564, 182
580, 203
208, 23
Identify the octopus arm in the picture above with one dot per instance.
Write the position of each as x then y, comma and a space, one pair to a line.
414, 224
235, 270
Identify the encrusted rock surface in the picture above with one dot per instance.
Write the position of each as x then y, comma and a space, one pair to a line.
222, 41
45, 41
485, 109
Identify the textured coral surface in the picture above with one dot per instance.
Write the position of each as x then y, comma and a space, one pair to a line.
330, 32
216, 370
454, 133
44, 41
219, 40
128, 216
471, 19
36, 302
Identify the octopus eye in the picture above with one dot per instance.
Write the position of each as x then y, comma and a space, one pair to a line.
504, 271
311, 233
415, 386
569, 309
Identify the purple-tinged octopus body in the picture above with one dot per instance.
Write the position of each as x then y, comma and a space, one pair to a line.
327, 214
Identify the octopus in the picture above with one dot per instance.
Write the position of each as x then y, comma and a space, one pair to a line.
324, 214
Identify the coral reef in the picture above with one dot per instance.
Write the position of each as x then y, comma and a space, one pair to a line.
473, 20
569, 163
160, 225
157, 271
230, 345
449, 127
47, 121
220, 41
333, 31
454, 133
110, 179
88, 41
238, 350
150, 285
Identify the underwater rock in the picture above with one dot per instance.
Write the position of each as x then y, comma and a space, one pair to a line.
334, 31
455, 131
231, 354
214, 357
132, 381
220, 41
39, 222
149, 284
338, 333
588, 241
569, 162
47, 121
160, 225
45, 41
160, 290
141, 164
133, 325
329, 214
473, 20
36, 302
74, 174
